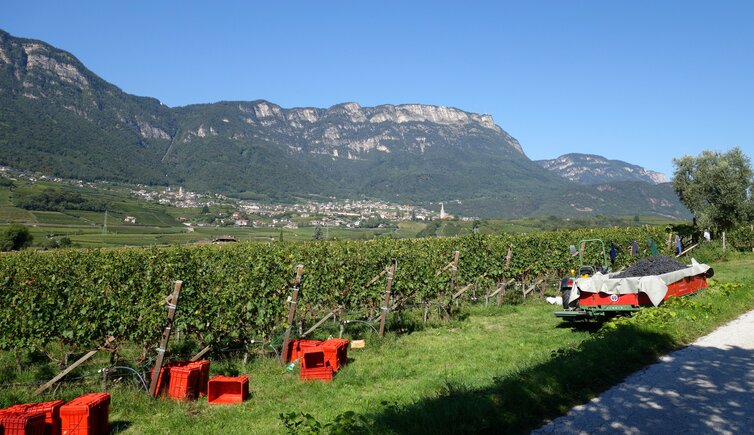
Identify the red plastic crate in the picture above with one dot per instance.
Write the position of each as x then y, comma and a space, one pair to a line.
50, 409
163, 381
198, 387
184, 382
14, 408
336, 352
296, 348
22, 423
226, 389
323, 374
52, 415
314, 365
86, 415
203, 379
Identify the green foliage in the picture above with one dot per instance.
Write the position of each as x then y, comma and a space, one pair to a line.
742, 238
6, 182
374, 222
15, 238
709, 252
684, 309
716, 187
235, 293
430, 230
57, 200
347, 423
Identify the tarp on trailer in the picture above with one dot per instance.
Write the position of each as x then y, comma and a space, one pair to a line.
655, 286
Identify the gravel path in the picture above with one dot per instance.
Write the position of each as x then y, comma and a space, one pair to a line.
707, 387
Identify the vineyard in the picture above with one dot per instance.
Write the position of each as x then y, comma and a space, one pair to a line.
238, 293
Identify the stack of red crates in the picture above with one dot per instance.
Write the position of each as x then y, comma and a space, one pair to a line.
183, 380
203, 379
296, 348
336, 352
319, 360
50, 422
86, 415
162, 381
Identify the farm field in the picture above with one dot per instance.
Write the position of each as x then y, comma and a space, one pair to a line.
159, 224
499, 369
85, 230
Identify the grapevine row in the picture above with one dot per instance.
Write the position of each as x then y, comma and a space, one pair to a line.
238, 292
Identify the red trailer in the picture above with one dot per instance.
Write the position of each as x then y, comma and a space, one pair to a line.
603, 295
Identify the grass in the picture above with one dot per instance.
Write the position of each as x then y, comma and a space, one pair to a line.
15, 214
5, 197
492, 370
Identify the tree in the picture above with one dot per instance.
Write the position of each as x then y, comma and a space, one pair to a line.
317, 233
7, 182
15, 238
716, 187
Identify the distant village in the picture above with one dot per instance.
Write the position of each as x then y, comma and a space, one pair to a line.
334, 213
244, 213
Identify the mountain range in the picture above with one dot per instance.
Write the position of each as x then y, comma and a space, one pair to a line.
59, 118
594, 169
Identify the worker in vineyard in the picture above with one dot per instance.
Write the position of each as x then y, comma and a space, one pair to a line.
614, 251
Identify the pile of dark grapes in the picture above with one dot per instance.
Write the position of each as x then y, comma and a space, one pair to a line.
656, 265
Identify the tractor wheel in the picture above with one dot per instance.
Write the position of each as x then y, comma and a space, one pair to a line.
566, 293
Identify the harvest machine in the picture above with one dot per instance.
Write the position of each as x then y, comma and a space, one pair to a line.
596, 293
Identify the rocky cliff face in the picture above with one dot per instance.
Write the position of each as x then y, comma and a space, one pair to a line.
593, 169
349, 130
34, 70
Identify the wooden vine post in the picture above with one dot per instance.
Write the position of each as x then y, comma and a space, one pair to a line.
320, 322
501, 292
172, 305
201, 353
291, 313
454, 271
70, 368
388, 287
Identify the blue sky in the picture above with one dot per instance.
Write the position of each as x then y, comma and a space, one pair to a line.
640, 81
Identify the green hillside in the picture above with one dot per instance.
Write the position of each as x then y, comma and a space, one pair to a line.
59, 118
